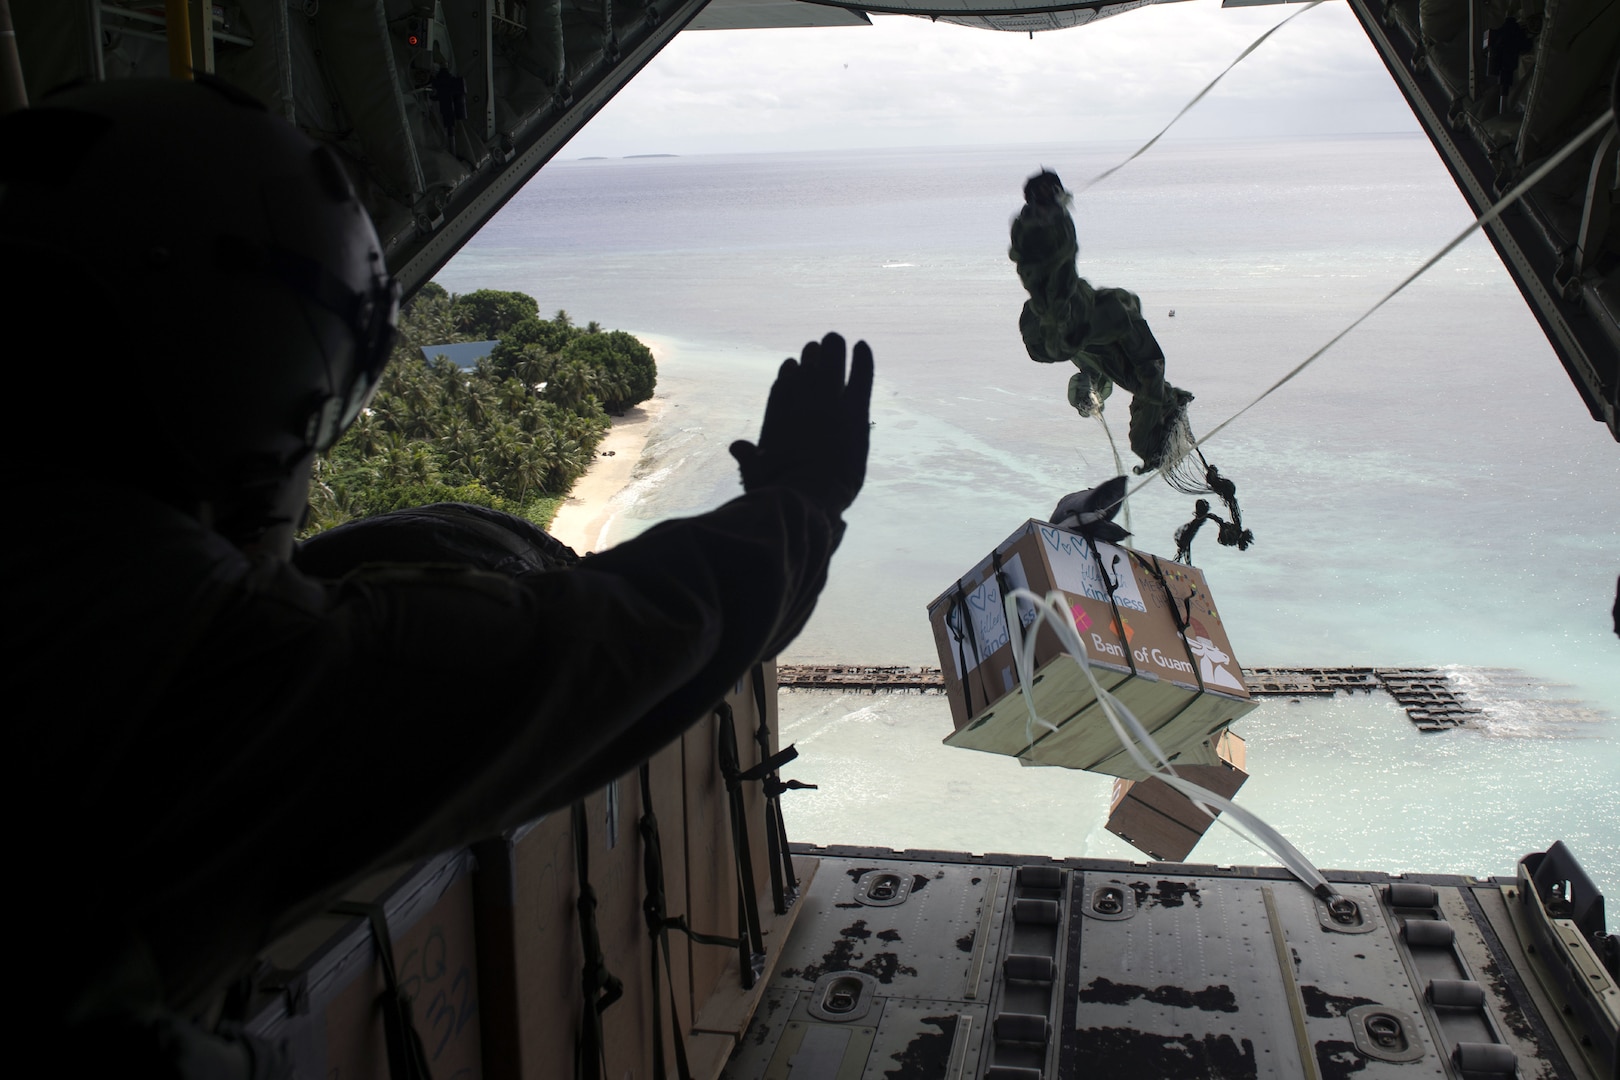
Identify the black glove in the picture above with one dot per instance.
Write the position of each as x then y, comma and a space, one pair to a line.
814, 437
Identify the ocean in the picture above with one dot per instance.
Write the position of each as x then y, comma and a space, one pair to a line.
1431, 492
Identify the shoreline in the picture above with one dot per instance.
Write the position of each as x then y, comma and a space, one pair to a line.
584, 518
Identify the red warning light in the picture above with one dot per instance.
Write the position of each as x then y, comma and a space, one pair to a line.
413, 40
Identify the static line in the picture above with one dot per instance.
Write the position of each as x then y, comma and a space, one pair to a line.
1483, 220
1199, 97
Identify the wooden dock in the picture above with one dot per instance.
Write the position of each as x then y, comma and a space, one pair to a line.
1426, 694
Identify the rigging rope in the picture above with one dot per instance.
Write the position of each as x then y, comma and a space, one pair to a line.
1054, 610
1172, 459
1480, 222
1119, 465
1255, 44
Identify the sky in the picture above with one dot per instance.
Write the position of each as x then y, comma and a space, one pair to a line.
905, 81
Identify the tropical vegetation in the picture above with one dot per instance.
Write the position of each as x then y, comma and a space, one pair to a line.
512, 432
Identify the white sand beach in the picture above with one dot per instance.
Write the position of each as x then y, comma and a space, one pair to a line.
583, 520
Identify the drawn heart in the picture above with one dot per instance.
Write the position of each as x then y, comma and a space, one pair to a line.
1053, 537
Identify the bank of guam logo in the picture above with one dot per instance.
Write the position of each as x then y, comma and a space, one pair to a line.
1212, 659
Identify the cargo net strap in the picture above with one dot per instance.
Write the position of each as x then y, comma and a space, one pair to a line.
784, 882
750, 934
601, 987
1052, 610
407, 1059
659, 924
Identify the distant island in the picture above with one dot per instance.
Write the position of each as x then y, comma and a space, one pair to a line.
512, 433
595, 157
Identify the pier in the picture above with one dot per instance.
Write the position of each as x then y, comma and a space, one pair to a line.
1430, 701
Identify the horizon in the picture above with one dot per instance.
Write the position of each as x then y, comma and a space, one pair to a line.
1170, 139
908, 82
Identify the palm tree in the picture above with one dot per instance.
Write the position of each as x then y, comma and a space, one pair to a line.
535, 365
513, 396
420, 465
530, 471
366, 436
571, 384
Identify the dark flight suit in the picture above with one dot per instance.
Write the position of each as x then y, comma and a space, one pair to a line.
216, 745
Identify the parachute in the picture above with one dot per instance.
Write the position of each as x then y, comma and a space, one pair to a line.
1102, 333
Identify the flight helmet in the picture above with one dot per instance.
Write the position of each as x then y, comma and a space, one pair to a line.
203, 294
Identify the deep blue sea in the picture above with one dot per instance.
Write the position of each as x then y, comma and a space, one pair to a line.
1431, 492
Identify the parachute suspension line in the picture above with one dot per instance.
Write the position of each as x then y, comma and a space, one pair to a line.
1173, 460
1106, 173
1231, 532
1490, 215
1177, 468
1119, 465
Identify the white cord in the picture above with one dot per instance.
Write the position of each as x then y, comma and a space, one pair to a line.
1106, 173
1052, 610
1119, 466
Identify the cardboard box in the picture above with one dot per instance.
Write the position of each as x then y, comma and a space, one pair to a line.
529, 927
1129, 607
1154, 817
327, 978
528, 891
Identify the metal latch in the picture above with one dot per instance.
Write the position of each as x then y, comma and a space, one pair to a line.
1384, 1033
842, 996
1342, 915
883, 888
1110, 901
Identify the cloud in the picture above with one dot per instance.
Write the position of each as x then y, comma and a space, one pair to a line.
908, 82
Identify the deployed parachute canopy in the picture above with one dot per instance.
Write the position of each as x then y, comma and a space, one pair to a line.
1100, 331
1103, 334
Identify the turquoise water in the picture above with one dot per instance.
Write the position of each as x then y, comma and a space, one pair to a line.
1432, 492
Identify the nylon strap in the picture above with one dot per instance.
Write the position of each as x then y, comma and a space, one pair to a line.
750, 937
959, 609
784, 882
407, 1060
1119, 620
659, 924
1002, 583
973, 642
653, 908
601, 987
1182, 623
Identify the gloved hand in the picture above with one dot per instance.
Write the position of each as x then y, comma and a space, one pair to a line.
814, 437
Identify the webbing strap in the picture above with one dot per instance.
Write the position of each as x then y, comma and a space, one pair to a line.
959, 609
750, 937
1002, 584
784, 882
601, 987
1119, 620
659, 924
407, 1059
1175, 613
973, 642
652, 862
